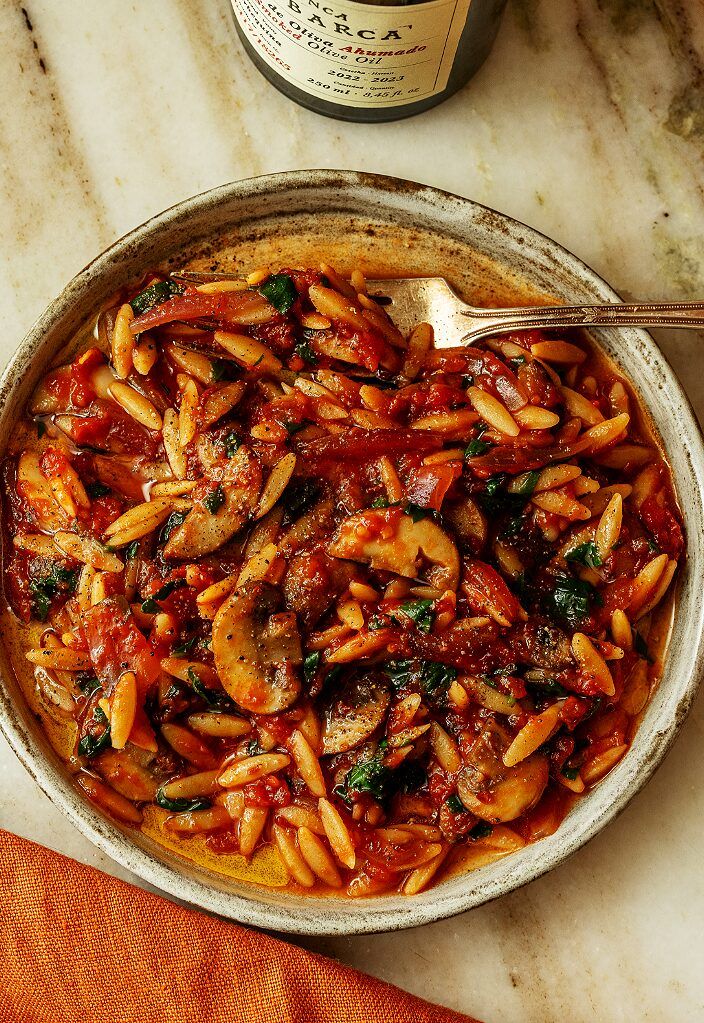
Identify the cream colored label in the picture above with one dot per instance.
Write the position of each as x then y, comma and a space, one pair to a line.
355, 54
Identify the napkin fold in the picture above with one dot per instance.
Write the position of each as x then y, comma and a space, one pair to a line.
79, 946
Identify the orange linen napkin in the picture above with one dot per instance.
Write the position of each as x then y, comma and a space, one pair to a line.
79, 946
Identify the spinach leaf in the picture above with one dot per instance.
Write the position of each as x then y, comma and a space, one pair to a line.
571, 773
219, 371
529, 483
585, 554
96, 489
59, 580
155, 294
421, 612
88, 684
181, 805
214, 500
91, 744
310, 666
380, 502
436, 677
305, 350
292, 427
571, 600
399, 673
371, 777
415, 511
174, 520
333, 674
380, 782
455, 804
132, 551
481, 829
150, 605
217, 699
41, 601
495, 498
280, 290
184, 648
232, 443
476, 447
431, 676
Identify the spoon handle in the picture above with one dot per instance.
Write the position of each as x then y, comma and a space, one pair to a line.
637, 314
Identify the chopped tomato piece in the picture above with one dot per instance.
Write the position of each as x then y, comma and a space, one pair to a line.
662, 524
269, 791
116, 644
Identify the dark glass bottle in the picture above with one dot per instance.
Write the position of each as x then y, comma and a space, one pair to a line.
367, 60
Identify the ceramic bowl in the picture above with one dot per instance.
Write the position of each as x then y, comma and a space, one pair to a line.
384, 225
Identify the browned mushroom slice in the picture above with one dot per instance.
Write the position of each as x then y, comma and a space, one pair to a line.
355, 714
494, 792
387, 539
122, 769
128, 476
221, 507
469, 523
257, 652
545, 646
313, 581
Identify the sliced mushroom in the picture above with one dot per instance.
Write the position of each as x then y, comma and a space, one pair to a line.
313, 581
494, 792
355, 714
34, 487
121, 769
388, 540
469, 522
257, 652
545, 646
203, 530
128, 476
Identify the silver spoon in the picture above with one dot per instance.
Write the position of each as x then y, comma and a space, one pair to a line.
412, 300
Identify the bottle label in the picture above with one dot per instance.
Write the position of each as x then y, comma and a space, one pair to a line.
356, 54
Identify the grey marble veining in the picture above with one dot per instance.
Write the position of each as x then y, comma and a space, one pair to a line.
586, 122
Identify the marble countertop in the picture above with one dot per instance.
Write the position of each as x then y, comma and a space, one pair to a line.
587, 122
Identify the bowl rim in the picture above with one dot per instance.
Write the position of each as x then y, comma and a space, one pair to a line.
336, 916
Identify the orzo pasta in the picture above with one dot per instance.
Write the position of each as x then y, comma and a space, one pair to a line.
296, 587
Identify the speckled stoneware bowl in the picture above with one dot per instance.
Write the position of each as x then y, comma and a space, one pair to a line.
384, 225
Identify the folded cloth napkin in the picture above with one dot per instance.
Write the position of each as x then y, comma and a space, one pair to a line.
79, 946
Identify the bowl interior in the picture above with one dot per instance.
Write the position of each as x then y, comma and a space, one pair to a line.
385, 227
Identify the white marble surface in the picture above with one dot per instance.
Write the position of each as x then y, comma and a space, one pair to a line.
588, 123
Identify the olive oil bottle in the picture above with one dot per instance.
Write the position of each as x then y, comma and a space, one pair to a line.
368, 60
